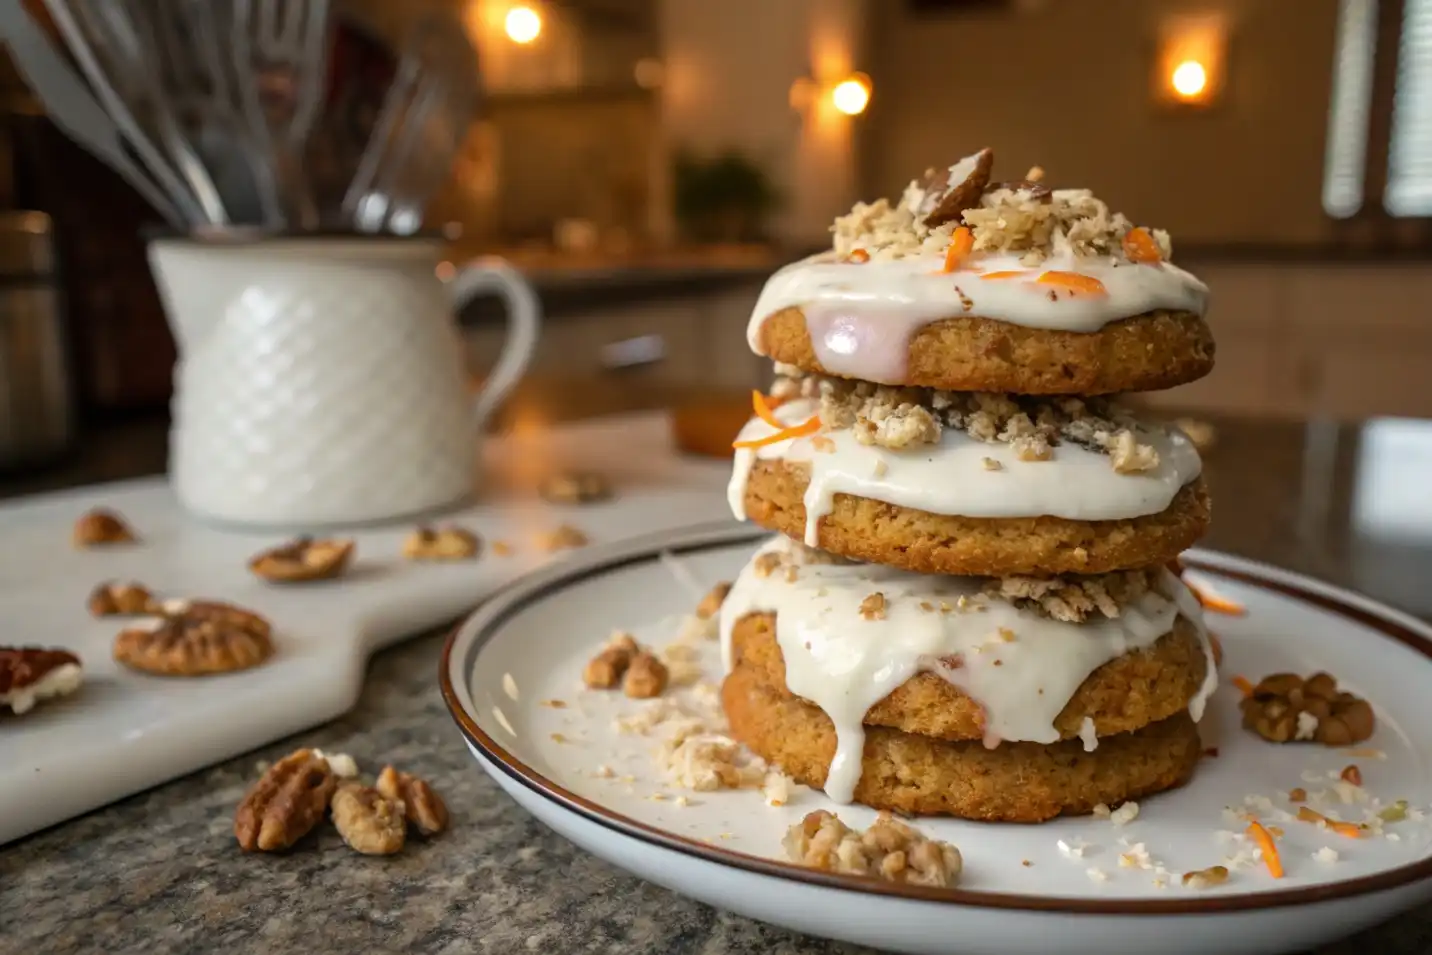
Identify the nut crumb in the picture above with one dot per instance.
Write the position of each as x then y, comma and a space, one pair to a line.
565, 537
575, 487
1204, 878
766, 564
1351, 774
443, 543
1201, 434
711, 603
889, 849
873, 606
1298, 794
554, 704
113, 599
776, 789
1074, 599
645, 678
303, 559
990, 464
604, 671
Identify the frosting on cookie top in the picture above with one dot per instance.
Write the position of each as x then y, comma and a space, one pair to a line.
956, 244
986, 458
850, 633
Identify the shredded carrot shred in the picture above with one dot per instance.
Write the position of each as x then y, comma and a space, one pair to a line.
810, 426
1217, 604
1004, 274
1243, 685
859, 255
1270, 851
961, 243
1348, 829
1073, 281
1140, 246
764, 411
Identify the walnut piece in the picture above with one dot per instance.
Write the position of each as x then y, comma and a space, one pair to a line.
424, 809
564, 537
575, 487
303, 559
889, 850
1284, 707
604, 671
443, 543
1203, 878
196, 639
286, 803
873, 606
114, 599
99, 527
29, 675
710, 604
369, 822
646, 677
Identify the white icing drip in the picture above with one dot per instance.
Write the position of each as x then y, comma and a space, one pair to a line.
861, 315
951, 478
1191, 610
845, 664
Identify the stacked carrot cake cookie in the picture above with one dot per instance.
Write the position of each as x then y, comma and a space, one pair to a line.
968, 608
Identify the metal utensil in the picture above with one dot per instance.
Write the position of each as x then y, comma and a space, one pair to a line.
419, 131
74, 109
281, 58
124, 41
194, 68
121, 115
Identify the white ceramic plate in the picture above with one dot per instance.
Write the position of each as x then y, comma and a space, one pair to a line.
579, 773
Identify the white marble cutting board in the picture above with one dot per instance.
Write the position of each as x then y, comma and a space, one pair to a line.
126, 731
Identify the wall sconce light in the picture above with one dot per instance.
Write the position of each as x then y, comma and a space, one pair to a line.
1190, 65
523, 25
848, 94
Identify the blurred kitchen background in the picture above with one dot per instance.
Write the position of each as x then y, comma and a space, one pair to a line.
648, 163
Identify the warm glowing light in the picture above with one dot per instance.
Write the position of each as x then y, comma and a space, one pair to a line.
1189, 79
522, 24
851, 96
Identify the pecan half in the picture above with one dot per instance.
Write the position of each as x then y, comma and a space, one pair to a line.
443, 543
99, 527
303, 559
368, 821
949, 192
575, 487
29, 675
196, 639
1285, 707
424, 808
285, 804
113, 599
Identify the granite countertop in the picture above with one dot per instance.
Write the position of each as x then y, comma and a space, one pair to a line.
160, 872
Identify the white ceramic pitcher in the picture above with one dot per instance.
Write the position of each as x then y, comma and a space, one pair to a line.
321, 380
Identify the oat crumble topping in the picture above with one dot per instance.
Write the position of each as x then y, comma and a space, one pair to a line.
889, 850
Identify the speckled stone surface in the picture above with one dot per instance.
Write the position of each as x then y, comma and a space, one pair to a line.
161, 873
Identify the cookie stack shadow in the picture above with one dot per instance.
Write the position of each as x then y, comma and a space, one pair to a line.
972, 605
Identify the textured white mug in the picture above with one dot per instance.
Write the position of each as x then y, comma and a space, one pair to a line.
321, 380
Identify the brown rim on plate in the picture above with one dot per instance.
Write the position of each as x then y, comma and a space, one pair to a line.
632, 552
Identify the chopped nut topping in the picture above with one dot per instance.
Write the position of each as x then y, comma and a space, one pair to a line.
303, 559
575, 487
1284, 703
710, 604
873, 607
564, 537
766, 564
889, 850
99, 527
1203, 878
1075, 599
111, 599
1129, 456
990, 464
443, 543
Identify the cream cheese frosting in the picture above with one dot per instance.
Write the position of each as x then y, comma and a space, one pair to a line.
861, 316
951, 477
1020, 666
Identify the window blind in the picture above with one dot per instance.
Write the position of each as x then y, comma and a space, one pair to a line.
1409, 151
1345, 161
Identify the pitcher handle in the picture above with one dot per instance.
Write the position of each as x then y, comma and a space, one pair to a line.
495, 277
